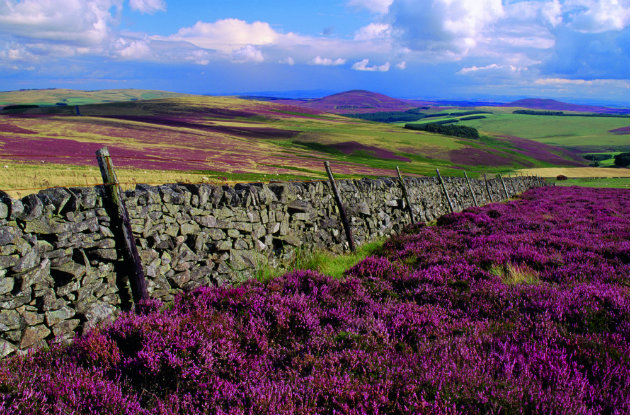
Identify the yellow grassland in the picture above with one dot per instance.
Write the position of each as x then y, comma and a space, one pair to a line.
576, 172
19, 180
77, 97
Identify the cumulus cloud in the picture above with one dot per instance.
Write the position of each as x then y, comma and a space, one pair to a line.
76, 22
373, 31
248, 53
443, 25
133, 49
147, 6
596, 16
226, 35
402, 65
363, 65
318, 60
376, 6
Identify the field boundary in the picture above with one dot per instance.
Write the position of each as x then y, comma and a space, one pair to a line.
61, 271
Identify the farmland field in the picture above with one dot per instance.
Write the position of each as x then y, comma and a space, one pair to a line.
583, 134
196, 138
519, 307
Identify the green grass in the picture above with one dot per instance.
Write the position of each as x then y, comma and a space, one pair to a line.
608, 162
614, 182
324, 262
581, 133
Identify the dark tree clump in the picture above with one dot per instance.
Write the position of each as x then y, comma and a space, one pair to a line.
622, 160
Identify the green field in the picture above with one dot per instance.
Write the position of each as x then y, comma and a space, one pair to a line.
583, 134
617, 182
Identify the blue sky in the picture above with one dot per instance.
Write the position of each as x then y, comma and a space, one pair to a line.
574, 50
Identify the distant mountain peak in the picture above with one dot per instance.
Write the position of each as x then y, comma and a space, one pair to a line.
357, 101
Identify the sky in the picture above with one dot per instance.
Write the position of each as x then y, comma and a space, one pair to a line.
572, 50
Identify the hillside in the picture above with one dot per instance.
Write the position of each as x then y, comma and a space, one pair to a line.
76, 97
199, 138
553, 105
352, 102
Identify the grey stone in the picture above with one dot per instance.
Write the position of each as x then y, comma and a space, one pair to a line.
9, 235
16, 209
33, 335
28, 261
4, 210
8, 261
223, 246
11, 302
6, 283
66, 328
70, 269
57, 316
241, 244
189, 228
103, 254
206, 221
243, 227
178, 280
6, 348
9, 320
33, 208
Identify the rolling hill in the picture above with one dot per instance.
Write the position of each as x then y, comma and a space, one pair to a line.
194, 138
553, 105
76, 97
354, 102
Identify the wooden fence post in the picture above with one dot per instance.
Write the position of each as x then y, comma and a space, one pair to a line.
448, 199
485, 179
120, 220
504, 188
471, 190
405, 195
512, 184
342, 211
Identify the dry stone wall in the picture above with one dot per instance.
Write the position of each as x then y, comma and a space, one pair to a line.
61, 271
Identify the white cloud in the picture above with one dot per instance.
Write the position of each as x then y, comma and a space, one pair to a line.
318, 60
491, 67
402, 65
552, 12
479, 68
247, 53
453, 26
76, 22
147, 6
287, 61
363, 65
227, 35
373, 31
619, 83
133, 49
596, 16
376, 6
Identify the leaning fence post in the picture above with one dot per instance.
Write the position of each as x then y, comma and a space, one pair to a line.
120, 219
342, 211
511, 181
504, 188
485, 179
405, 195
471, 190
448, 199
